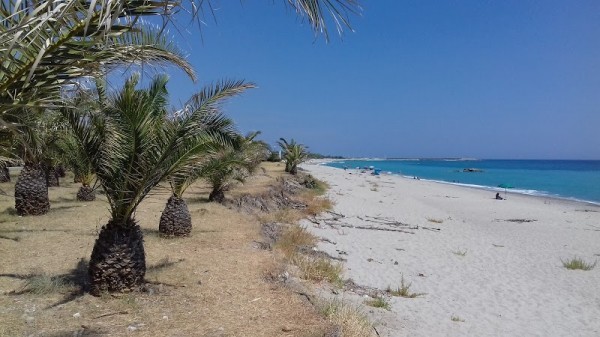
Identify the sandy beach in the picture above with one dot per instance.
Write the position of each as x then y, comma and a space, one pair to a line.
487, 267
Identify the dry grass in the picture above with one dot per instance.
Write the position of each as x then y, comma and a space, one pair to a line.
319, 269
434, 220
209, 284
351, 321
293, 241
293, 238
286, 216
316, 205
45, 284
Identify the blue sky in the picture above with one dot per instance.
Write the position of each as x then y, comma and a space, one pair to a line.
485, 79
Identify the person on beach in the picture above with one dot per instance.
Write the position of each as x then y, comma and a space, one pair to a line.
498, 197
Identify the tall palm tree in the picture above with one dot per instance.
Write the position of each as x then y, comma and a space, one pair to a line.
132, 146
293, 154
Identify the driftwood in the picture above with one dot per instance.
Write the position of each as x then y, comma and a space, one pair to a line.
397, 226
328, 241
112, 314
520, 220
367, 227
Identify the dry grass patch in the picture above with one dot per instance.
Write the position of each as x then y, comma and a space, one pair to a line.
197, 284
287, 216
319, 269
44, 284
434, 220
293, 238
296, 239
350, 320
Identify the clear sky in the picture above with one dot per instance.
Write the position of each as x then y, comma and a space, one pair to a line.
486, 79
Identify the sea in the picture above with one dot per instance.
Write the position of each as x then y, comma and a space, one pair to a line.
577, 180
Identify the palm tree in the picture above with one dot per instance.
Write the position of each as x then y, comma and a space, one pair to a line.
176, 219
73, 155
293, 154
132, 146
232, 165
33, 134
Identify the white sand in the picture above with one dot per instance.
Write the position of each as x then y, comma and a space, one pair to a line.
511, 281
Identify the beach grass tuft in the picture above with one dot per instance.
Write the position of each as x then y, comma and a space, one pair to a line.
460, 252
319, 269
403, 290
296, 239
44, 284
293, 238
379, 302
349, 318
316, 186
455, 318
578, 263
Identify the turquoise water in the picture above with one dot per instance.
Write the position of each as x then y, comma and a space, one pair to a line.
569, 179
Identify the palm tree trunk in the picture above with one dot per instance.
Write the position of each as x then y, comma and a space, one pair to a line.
294, 169
31, 191
4, 173
175, 219
61, 171
86, 193
217, 195
118, 261
52, 176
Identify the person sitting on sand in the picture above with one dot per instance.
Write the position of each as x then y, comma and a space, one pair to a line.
498, 197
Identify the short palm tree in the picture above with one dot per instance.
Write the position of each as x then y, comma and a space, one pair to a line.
233, 164
293, 154
132, 146
176, 219
73, 155
33, 134
222, 170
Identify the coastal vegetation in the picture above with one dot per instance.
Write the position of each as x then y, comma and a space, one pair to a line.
215, 271
578, 263
379, 302
349, 319
403, 290
455, 318
293, 154
460, 252
58, 112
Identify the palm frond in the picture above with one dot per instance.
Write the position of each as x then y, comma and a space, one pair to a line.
45, 45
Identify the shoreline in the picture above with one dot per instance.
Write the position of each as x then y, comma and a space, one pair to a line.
488, 267
324, 162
